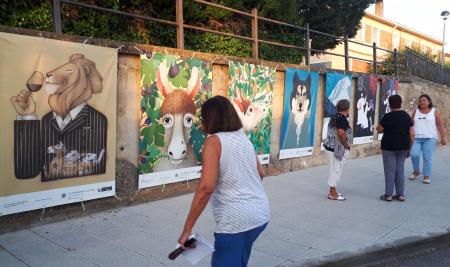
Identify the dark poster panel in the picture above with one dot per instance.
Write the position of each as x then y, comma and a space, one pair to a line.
365, 109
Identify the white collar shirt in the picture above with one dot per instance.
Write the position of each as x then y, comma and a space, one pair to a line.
62, 123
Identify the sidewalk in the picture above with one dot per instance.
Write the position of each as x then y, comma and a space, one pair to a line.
305, 226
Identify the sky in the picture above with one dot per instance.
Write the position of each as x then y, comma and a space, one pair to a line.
420, 15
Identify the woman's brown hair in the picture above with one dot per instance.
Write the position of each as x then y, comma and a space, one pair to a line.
219, 115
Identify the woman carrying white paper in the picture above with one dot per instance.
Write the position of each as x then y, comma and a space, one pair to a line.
232, 178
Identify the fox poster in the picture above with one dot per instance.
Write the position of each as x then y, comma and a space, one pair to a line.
251, 92
299, 113
58, 118
172, 92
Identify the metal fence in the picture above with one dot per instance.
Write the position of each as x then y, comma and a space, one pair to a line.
306, 31
423, 67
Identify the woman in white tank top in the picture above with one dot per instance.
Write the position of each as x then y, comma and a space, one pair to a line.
427, 123
232, 178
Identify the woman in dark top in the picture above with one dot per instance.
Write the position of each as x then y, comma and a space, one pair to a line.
397, 140
337, 146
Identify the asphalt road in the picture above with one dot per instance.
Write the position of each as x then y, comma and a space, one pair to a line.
432, 257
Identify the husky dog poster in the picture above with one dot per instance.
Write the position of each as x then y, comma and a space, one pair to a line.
172, 92
299, 111
251, 91
365, 109
338, 86
388, 87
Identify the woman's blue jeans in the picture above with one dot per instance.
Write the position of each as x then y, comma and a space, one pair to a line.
425, 146
233, 250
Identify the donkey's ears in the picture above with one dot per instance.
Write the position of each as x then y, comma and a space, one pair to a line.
162, 81
194, 83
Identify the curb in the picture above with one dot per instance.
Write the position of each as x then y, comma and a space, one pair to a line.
379, 254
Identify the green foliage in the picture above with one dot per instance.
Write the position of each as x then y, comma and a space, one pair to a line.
256, 83
387, 69
27, 14
334, 17
152, 143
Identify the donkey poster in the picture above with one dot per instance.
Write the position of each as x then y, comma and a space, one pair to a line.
299, 113
365, 109
388, 87
58, 118
251, 92
172, 92
338, 86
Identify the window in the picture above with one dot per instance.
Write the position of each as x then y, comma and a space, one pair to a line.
408, 43
376, 36
396, 41
361, 33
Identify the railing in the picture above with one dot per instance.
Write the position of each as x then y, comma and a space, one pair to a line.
425, 68
254, 39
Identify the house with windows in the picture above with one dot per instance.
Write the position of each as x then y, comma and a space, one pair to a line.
387, 34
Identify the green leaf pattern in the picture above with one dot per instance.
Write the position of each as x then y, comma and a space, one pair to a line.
256, 83
152, 132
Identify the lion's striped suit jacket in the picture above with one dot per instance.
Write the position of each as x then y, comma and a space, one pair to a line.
86, 133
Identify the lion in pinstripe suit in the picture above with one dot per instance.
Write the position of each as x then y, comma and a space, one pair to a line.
71, 123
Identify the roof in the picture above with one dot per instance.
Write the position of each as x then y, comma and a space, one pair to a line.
402, 28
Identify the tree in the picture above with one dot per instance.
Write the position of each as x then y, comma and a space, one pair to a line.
335, 17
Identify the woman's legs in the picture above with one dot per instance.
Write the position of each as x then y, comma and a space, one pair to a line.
335, 171
428, 147
415, 155
400, 173
390, 166
251, 237
234, 249
228, 250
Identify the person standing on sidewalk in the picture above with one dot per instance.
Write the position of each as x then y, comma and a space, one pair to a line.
398, 136
427, 122
337, 146
232, 178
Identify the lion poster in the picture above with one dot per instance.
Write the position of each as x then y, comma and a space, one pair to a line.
251, 92
299, 114
58, 102
172, 92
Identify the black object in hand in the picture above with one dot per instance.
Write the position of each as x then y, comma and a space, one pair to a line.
189, 243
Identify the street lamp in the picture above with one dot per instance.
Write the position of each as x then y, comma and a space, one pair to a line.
444, 16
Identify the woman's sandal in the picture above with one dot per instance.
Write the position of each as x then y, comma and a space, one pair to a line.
386, 198
414, 175
399, 198
339, 197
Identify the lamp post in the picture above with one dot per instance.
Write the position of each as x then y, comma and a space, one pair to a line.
444, 16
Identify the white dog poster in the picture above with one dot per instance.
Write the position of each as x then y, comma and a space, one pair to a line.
299, 113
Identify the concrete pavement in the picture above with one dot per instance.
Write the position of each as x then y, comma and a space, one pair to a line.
305, 228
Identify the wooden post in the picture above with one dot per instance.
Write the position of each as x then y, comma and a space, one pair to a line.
395, 62
374, 63
346, 52
180, 24
255, 47
307, 45
57, 27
